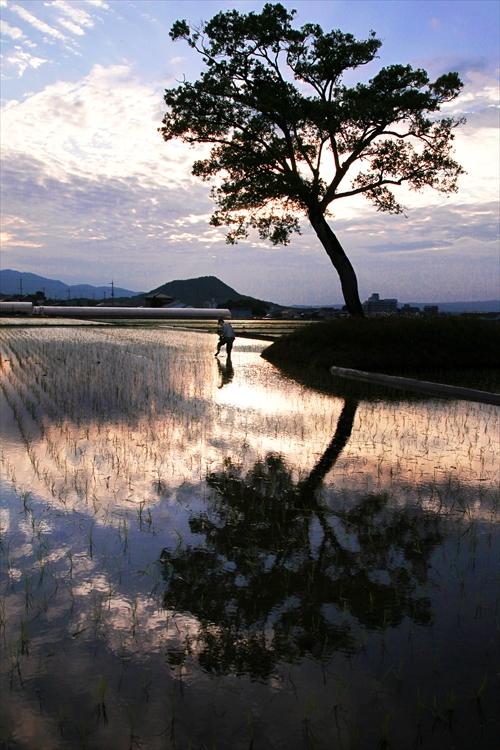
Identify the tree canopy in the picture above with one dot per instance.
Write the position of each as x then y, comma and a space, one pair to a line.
289, 138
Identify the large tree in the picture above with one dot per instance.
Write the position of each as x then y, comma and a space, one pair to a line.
289, 138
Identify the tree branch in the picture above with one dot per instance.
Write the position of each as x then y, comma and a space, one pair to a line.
373, 186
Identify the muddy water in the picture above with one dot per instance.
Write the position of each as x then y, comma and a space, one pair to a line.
203, 554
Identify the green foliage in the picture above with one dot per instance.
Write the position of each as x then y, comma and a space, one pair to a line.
273, 105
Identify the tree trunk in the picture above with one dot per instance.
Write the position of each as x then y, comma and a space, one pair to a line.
341, 262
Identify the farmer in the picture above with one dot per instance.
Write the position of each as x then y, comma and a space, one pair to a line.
226, 336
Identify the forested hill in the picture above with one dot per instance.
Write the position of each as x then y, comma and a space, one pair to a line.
200, 291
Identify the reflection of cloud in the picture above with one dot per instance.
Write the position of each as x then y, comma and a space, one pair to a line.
254, 397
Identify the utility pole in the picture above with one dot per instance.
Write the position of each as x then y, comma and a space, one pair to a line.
112, 292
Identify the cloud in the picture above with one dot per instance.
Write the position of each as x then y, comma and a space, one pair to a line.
77, 15
95, 181
477, 150
19, 234
104, 126
9, 240
480, 91
153, 233
37, 23
480, 81
429, 229
70, 26
12, 31
462, 64
105, 222
21, 61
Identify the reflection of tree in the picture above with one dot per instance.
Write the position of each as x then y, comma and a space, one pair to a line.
281, 575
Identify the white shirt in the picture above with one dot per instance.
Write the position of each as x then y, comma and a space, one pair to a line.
227, 331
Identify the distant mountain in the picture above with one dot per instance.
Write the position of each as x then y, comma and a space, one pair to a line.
18, 282
197, 292
203, 291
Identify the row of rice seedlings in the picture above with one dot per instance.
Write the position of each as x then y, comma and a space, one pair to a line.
383, 443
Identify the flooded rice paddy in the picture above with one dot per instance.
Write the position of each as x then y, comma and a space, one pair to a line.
199, 555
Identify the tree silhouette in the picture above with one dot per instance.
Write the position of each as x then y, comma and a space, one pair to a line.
282, 575
289, 138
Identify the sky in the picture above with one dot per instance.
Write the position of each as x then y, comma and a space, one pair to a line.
91, 193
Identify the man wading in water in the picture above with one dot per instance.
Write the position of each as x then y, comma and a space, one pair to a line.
226, 336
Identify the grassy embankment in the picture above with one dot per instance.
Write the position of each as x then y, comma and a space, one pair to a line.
455, 350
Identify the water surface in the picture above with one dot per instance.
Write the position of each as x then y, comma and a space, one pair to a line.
203, 554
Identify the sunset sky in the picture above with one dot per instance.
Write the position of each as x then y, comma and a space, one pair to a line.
90, 192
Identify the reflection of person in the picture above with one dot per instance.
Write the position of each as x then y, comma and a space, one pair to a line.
226, 374
226, 336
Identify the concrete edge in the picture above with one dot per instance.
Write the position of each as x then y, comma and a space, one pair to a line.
422, 386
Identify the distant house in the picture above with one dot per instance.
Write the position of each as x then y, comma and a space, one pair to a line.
376, 306
431, 310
